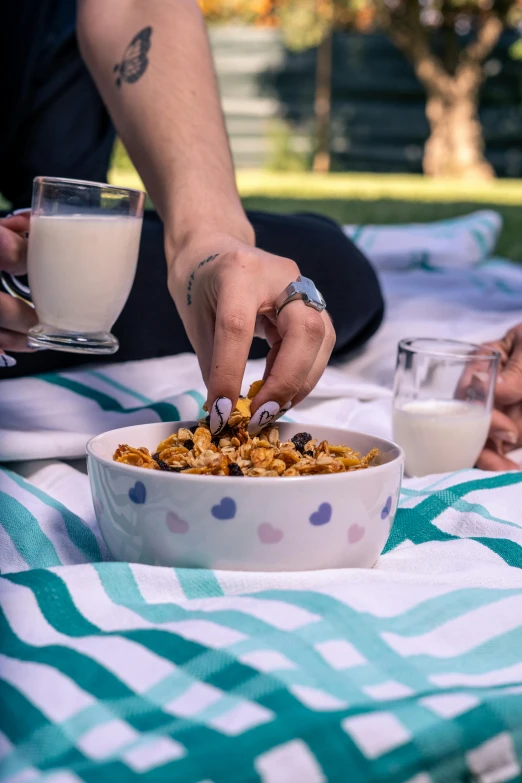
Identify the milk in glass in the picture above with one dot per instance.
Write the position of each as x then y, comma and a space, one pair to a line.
440, 436
81, 268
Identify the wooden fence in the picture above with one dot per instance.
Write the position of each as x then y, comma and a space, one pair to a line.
378, 105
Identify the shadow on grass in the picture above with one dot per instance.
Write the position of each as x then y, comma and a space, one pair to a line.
396, 211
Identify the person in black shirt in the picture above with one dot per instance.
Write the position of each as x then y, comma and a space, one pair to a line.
72, 73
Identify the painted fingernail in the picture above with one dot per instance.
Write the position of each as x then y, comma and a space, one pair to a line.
7, 361
505, 436
219, 414
264, 416
283, 410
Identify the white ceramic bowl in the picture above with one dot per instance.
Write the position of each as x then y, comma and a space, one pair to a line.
244, 524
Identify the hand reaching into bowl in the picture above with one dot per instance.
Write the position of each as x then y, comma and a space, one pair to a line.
225, 291
506, 424
16, 318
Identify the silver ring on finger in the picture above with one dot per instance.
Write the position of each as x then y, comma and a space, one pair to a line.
304, 289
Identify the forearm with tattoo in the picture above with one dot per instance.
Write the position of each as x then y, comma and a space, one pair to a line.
134, 61
172, 124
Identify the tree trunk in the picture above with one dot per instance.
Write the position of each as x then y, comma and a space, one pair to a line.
455, 147
323, 104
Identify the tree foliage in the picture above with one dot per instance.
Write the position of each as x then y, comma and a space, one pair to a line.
306, 22
258, 12
448, 43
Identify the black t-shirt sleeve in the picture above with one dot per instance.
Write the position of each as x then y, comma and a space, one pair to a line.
53, 120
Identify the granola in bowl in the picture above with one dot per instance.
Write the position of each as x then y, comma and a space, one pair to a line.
235, 453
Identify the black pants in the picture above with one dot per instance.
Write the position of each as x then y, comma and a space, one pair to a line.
150, 326
57, 125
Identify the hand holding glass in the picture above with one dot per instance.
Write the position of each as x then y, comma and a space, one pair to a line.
442, 404
83, 250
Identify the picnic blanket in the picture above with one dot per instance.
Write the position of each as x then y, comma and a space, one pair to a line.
408, 672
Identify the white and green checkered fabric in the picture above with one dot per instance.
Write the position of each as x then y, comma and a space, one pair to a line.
408, 672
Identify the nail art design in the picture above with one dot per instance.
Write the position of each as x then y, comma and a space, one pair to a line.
282, 412
219, 414
263, 417
7, 361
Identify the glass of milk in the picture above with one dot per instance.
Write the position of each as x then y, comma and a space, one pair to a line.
83, 248
442, 404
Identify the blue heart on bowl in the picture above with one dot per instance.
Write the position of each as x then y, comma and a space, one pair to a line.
138, 493
322, 515
387, 508
225, 509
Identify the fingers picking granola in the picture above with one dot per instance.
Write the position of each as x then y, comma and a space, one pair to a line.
233, 452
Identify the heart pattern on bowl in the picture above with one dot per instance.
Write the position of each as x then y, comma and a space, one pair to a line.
268, 534
322, 516
355, 533
387, 508
138, 493
176, 524
225, 509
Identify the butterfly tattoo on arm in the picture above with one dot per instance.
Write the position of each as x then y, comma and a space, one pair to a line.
134, 61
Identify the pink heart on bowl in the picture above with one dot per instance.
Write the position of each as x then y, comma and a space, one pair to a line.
175, 524
268, 534
355, 533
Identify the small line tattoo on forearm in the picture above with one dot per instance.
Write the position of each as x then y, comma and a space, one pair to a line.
192, 276
134, 61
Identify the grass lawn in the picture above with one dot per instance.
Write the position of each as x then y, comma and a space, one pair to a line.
378, 198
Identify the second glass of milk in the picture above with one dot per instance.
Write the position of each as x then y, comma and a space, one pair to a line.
443, 399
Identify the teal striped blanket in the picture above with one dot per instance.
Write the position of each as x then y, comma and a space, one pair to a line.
410, 672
